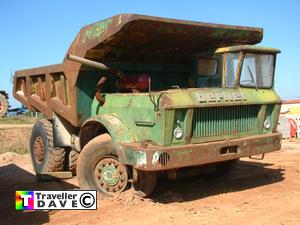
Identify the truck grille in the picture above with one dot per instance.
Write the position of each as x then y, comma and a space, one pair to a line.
225, 120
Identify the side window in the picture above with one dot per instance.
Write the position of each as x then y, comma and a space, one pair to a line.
207, 73
232, 60
207, 67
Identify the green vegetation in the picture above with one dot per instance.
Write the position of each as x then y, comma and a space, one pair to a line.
15, 149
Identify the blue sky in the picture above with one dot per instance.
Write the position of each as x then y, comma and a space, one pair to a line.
36, 33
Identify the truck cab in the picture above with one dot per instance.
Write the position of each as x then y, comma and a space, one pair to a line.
227, 99
220, 110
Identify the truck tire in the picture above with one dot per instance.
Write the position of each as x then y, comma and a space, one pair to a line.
99, 169
72, 161
3, 105
45, 157
144, 182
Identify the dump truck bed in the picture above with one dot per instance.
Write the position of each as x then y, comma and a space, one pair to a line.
67, 89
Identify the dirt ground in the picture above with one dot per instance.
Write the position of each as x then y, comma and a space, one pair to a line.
255, 192
14, 137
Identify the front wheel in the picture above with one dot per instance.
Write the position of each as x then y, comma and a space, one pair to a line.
98, 169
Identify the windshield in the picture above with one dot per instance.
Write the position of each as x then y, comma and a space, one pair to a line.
232, 60
257, 70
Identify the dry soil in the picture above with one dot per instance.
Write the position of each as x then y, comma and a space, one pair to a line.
255, 192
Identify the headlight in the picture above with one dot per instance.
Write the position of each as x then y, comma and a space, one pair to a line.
267, 124
178, 133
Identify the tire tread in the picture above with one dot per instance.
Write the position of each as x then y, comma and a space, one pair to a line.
56, 154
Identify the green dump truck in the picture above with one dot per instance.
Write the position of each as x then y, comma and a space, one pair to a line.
138, 95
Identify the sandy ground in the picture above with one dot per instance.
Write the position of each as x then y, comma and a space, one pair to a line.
255, 192
10, 126
15, 137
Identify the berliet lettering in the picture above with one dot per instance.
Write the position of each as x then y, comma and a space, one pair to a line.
220, 96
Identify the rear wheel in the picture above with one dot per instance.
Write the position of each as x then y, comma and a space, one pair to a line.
45, 157
71, 160
3, 105
99, 169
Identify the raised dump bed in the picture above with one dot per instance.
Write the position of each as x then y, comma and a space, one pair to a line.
127, 42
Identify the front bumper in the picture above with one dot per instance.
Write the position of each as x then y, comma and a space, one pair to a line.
153, 158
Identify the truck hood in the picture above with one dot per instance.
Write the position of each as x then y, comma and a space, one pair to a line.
205, 97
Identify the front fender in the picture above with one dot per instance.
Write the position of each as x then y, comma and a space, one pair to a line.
111, 124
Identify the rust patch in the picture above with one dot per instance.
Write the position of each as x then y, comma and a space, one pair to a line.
205, 153
165, 101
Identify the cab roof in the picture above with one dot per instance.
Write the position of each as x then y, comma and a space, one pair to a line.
247, 48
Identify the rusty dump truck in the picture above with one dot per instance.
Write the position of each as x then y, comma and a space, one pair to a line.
138, 95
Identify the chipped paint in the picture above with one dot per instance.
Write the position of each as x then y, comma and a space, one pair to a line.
205, 153
140, 158
155, 157
120, 19
96, 30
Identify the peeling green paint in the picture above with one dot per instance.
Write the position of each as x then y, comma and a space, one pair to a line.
138, 158
96, 30
155, 157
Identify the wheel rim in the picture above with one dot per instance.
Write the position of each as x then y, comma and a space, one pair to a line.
1, 106
110, 175
38, 150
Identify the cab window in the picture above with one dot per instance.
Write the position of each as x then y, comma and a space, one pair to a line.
257, 70
232, 60
207, 72
207, 67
